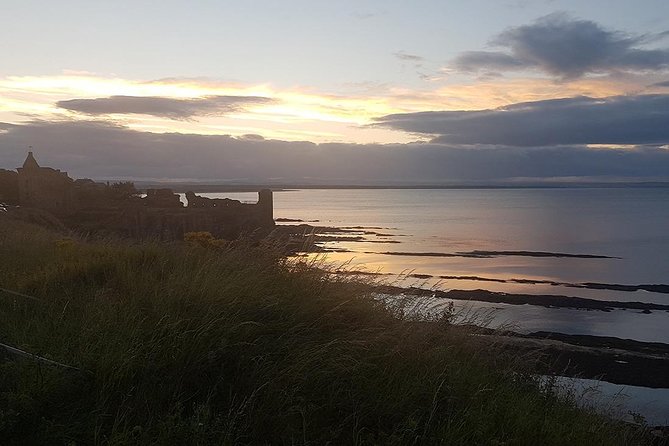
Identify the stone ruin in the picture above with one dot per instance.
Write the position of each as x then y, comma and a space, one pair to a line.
89, 206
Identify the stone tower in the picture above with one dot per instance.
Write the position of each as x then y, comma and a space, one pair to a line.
44, 187
266, 206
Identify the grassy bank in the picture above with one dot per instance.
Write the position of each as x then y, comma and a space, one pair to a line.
181, 344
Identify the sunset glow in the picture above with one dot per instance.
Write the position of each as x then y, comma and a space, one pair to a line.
341, 118
358, 82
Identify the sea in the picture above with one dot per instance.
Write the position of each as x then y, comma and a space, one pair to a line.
430, 238
535, 241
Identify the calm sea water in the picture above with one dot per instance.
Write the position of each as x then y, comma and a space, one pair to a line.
630, 224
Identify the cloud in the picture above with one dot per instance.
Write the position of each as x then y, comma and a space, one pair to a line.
566, 48
488, 60
661, 84
365, 15
100, 150
408, 57
172, 108
642, 119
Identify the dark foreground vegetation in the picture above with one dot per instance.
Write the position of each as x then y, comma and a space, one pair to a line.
232, 344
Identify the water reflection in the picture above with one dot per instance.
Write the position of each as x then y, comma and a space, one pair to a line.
618, 401
626, 223
626, 324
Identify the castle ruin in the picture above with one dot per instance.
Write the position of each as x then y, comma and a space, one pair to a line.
44, 187
86, 205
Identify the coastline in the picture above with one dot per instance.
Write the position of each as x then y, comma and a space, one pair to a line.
612, 359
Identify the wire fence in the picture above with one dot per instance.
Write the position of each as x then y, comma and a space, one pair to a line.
22, 354
16, 293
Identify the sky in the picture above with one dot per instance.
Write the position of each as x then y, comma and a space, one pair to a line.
347, 92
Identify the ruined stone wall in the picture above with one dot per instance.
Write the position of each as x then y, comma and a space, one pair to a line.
98, 208
163, 223
233, 215
47, 189
142, 220
9, 187
162, 198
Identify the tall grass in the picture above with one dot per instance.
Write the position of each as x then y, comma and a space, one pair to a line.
179, 344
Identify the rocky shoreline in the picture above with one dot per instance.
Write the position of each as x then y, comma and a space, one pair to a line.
611, 359
306, 238
615, 360
543, 300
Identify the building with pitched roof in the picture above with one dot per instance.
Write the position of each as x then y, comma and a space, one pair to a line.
44, 187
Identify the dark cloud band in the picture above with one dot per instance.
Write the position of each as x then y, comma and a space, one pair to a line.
640, 119
172, 108
98, 150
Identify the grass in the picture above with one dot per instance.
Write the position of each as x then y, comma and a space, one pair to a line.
180, 344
